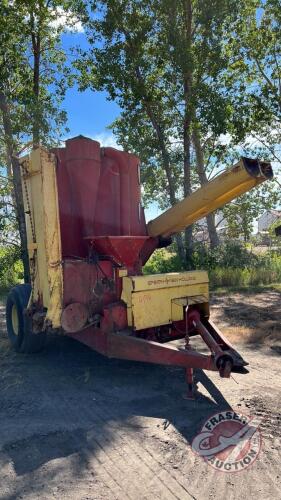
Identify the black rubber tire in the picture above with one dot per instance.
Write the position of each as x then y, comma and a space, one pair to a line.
18, 297
23, 340
32, 342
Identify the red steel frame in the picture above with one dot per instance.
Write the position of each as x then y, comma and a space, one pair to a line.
124, 345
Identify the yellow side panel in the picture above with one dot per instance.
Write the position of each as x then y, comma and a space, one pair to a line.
166, 280
127, 289
43, 231
129, 316
159, 299
155, 307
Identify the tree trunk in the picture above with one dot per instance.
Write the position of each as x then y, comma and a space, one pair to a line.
187, 192
36, 48
213, 235
17, 187
187, 89
165, 158
172, 194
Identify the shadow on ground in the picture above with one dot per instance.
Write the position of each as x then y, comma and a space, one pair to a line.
71, 418
54, 398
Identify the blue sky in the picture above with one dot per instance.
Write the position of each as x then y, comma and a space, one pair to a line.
89, 113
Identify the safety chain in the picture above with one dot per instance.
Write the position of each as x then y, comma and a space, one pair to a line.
25, 174
28, 212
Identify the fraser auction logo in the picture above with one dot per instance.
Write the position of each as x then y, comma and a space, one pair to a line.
229, 441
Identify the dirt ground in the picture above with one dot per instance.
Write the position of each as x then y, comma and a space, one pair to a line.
76, 425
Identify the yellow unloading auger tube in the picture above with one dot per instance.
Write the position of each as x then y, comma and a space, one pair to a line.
245, 175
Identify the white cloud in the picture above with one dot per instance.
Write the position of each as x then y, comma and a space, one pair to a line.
66, 20
106, 139
225, 139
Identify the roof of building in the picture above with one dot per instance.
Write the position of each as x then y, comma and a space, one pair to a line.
276, 213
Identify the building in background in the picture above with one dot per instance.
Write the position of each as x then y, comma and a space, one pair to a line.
267, 219
221, 225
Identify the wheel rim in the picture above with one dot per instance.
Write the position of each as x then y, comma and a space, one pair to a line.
15, 320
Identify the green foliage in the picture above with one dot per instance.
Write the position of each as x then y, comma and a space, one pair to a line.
8, 225
34, 73
228, 255
254, 50
163, 262
161, 61
241, 214
220, 277
275, 240
34, 76
231, 264
11, 269
174, 67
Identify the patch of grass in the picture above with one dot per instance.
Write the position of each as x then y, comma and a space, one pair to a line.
248, 277
229, 265
226, 290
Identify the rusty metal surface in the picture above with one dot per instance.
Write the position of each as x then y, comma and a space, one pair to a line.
89, 284
99, 194
43, 232
124, 250
124, 346
74, 317
194, 319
